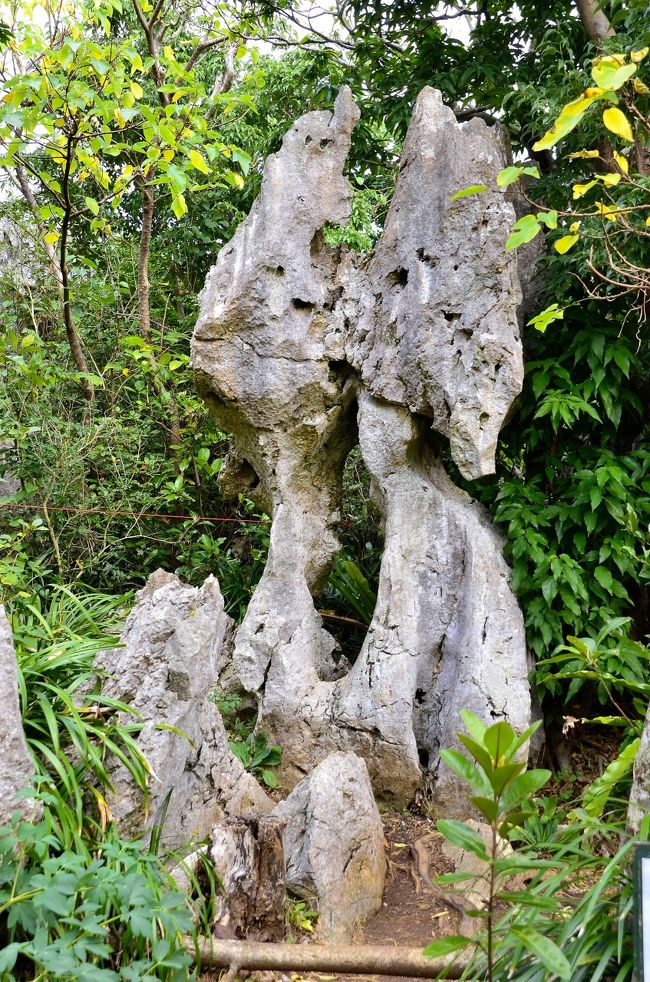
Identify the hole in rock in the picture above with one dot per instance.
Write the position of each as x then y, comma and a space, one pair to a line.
308, 139
299, 304
424, 257
325, 143
350, 594
423, 755
399, 277
451, 315
420, 696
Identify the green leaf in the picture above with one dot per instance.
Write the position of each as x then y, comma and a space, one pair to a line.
498, 739
596, 796
473, 189
525, 229
478, 752
604, 577
445, 946
463, 836
549, 218
474, 726
487, 807
524, 787
544, 949
8, 956
508, 176
466, 769
92, 205
608, 73
541, 321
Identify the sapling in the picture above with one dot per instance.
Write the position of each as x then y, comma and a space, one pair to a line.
496, 772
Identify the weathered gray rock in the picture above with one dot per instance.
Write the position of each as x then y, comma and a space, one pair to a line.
268, 353
292, 339
334, 844
174, 642
16, 763
437, 324
639, 805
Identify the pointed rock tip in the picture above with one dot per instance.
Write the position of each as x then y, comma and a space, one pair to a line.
346, 111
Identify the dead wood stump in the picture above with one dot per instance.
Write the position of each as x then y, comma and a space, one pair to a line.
248, 857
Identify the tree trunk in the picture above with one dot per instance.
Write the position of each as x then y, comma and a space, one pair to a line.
144, 312
74, 340
248, 856
594, 20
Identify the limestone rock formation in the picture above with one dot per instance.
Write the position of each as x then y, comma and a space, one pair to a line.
437, 325
16, 764
639, 805
334, 844
174, 642
300, 350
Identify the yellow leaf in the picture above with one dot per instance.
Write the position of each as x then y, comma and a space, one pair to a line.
565, 243
198, 161
618, 123
647, 221
579, 190
574, 226
568, 119
137, 90
584, 153
610, 180
607, 211
51, 237
638, 56
610, 73
622, 162
168, 155
640, 87
179, 206
168, 52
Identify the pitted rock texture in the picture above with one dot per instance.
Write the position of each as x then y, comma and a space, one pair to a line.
300, 350
16, 764
174, 643
437, 330
639, 805
334, 844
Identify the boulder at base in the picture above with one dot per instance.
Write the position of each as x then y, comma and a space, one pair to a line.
334, 844
174, 642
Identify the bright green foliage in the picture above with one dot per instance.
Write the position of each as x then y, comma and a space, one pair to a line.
258, 757
76, 901
558, 926
84, 915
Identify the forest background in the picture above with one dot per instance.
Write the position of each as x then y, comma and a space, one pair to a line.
132, 139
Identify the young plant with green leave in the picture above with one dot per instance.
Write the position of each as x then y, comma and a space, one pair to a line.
503, 789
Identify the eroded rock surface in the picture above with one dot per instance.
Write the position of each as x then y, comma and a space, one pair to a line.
437, 330
16, 764
334, 844
295, 342
175, 641
639, 805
